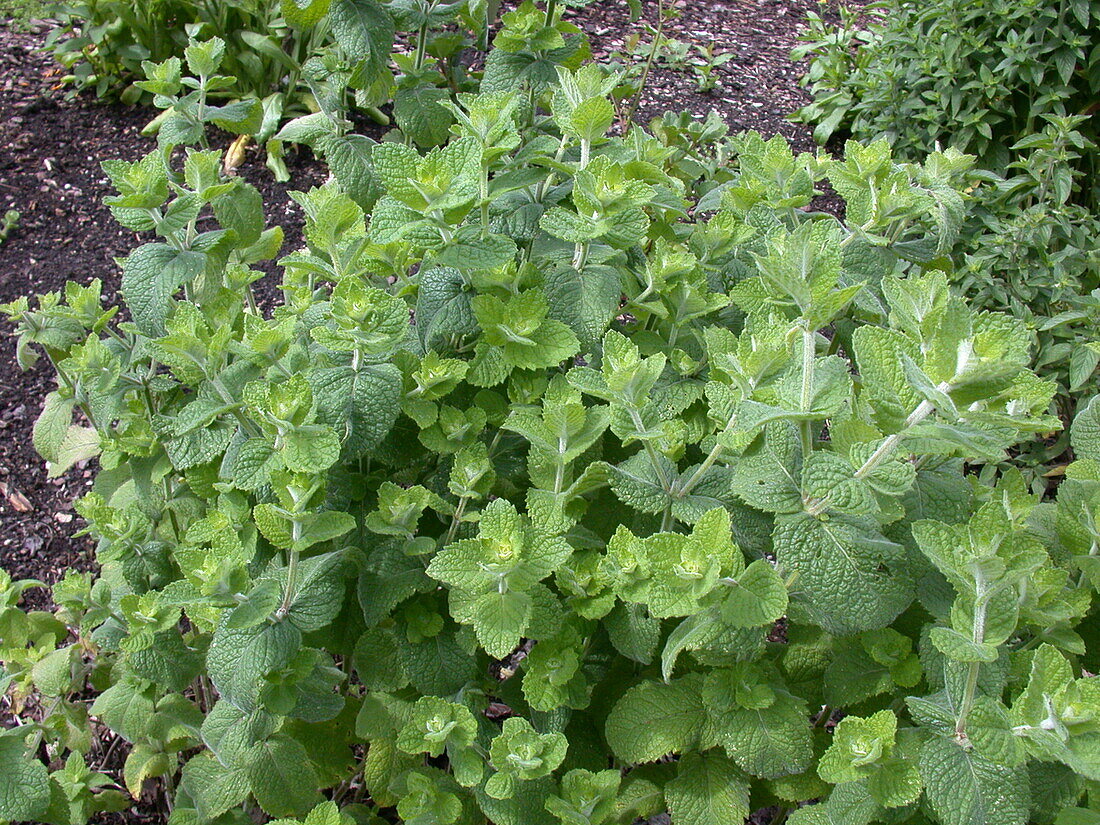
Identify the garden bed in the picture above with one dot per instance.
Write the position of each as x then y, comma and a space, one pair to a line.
569, 473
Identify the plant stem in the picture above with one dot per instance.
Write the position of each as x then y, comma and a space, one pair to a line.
169, 789
666, 518
200, 110
700, 471
291, 572
809, 350
291, 584
886, 448
548, 181
974, 669
456, 520
484, 201
1094, 550
559, 471
651, 451
658, 34
421, 45
580, 256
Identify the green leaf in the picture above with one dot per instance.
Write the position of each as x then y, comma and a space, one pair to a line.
281, 777
258, 607
587, 302
387, 578
500, 621
439, 665
685, 636
144, 763
310, 448
436, 724
238, 660
955, 645
150, 277
361, 404
767, 742
52, 426
963, 788
304, 14
78, 444
585, 797
241, 117
858, 746
125, 707
1084, 434
168, 661
214, 787
521, 753
53, 673
848, 804
362, 28
24, 781
849, 578
318, 593
350, 159
654, 719
242, 210
708, 790
757, 597
443, 306
633, 632
420, 116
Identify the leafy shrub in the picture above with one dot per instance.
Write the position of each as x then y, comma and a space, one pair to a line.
557, 458
1031, 250
301, 56
1016, 85
975, 74
104, 42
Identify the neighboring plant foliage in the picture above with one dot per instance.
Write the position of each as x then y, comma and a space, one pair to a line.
1017, 85
562, 454
976, 74
1032, 251
297, 56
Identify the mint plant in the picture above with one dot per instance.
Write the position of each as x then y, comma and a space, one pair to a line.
1014, 86
576, 478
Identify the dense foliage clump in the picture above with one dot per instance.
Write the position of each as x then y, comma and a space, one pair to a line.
285, 59
1015, 84
574, 478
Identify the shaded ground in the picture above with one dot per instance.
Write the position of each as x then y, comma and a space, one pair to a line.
757, 89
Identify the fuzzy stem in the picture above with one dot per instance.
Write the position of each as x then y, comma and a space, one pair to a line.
421, 45
974, 669
809, 350
886, 448
291, 576
456, 520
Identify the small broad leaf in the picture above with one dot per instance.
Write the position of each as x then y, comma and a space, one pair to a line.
24, 781
708, 790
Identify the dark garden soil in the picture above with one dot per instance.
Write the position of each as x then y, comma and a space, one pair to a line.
757, 89
51, 148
